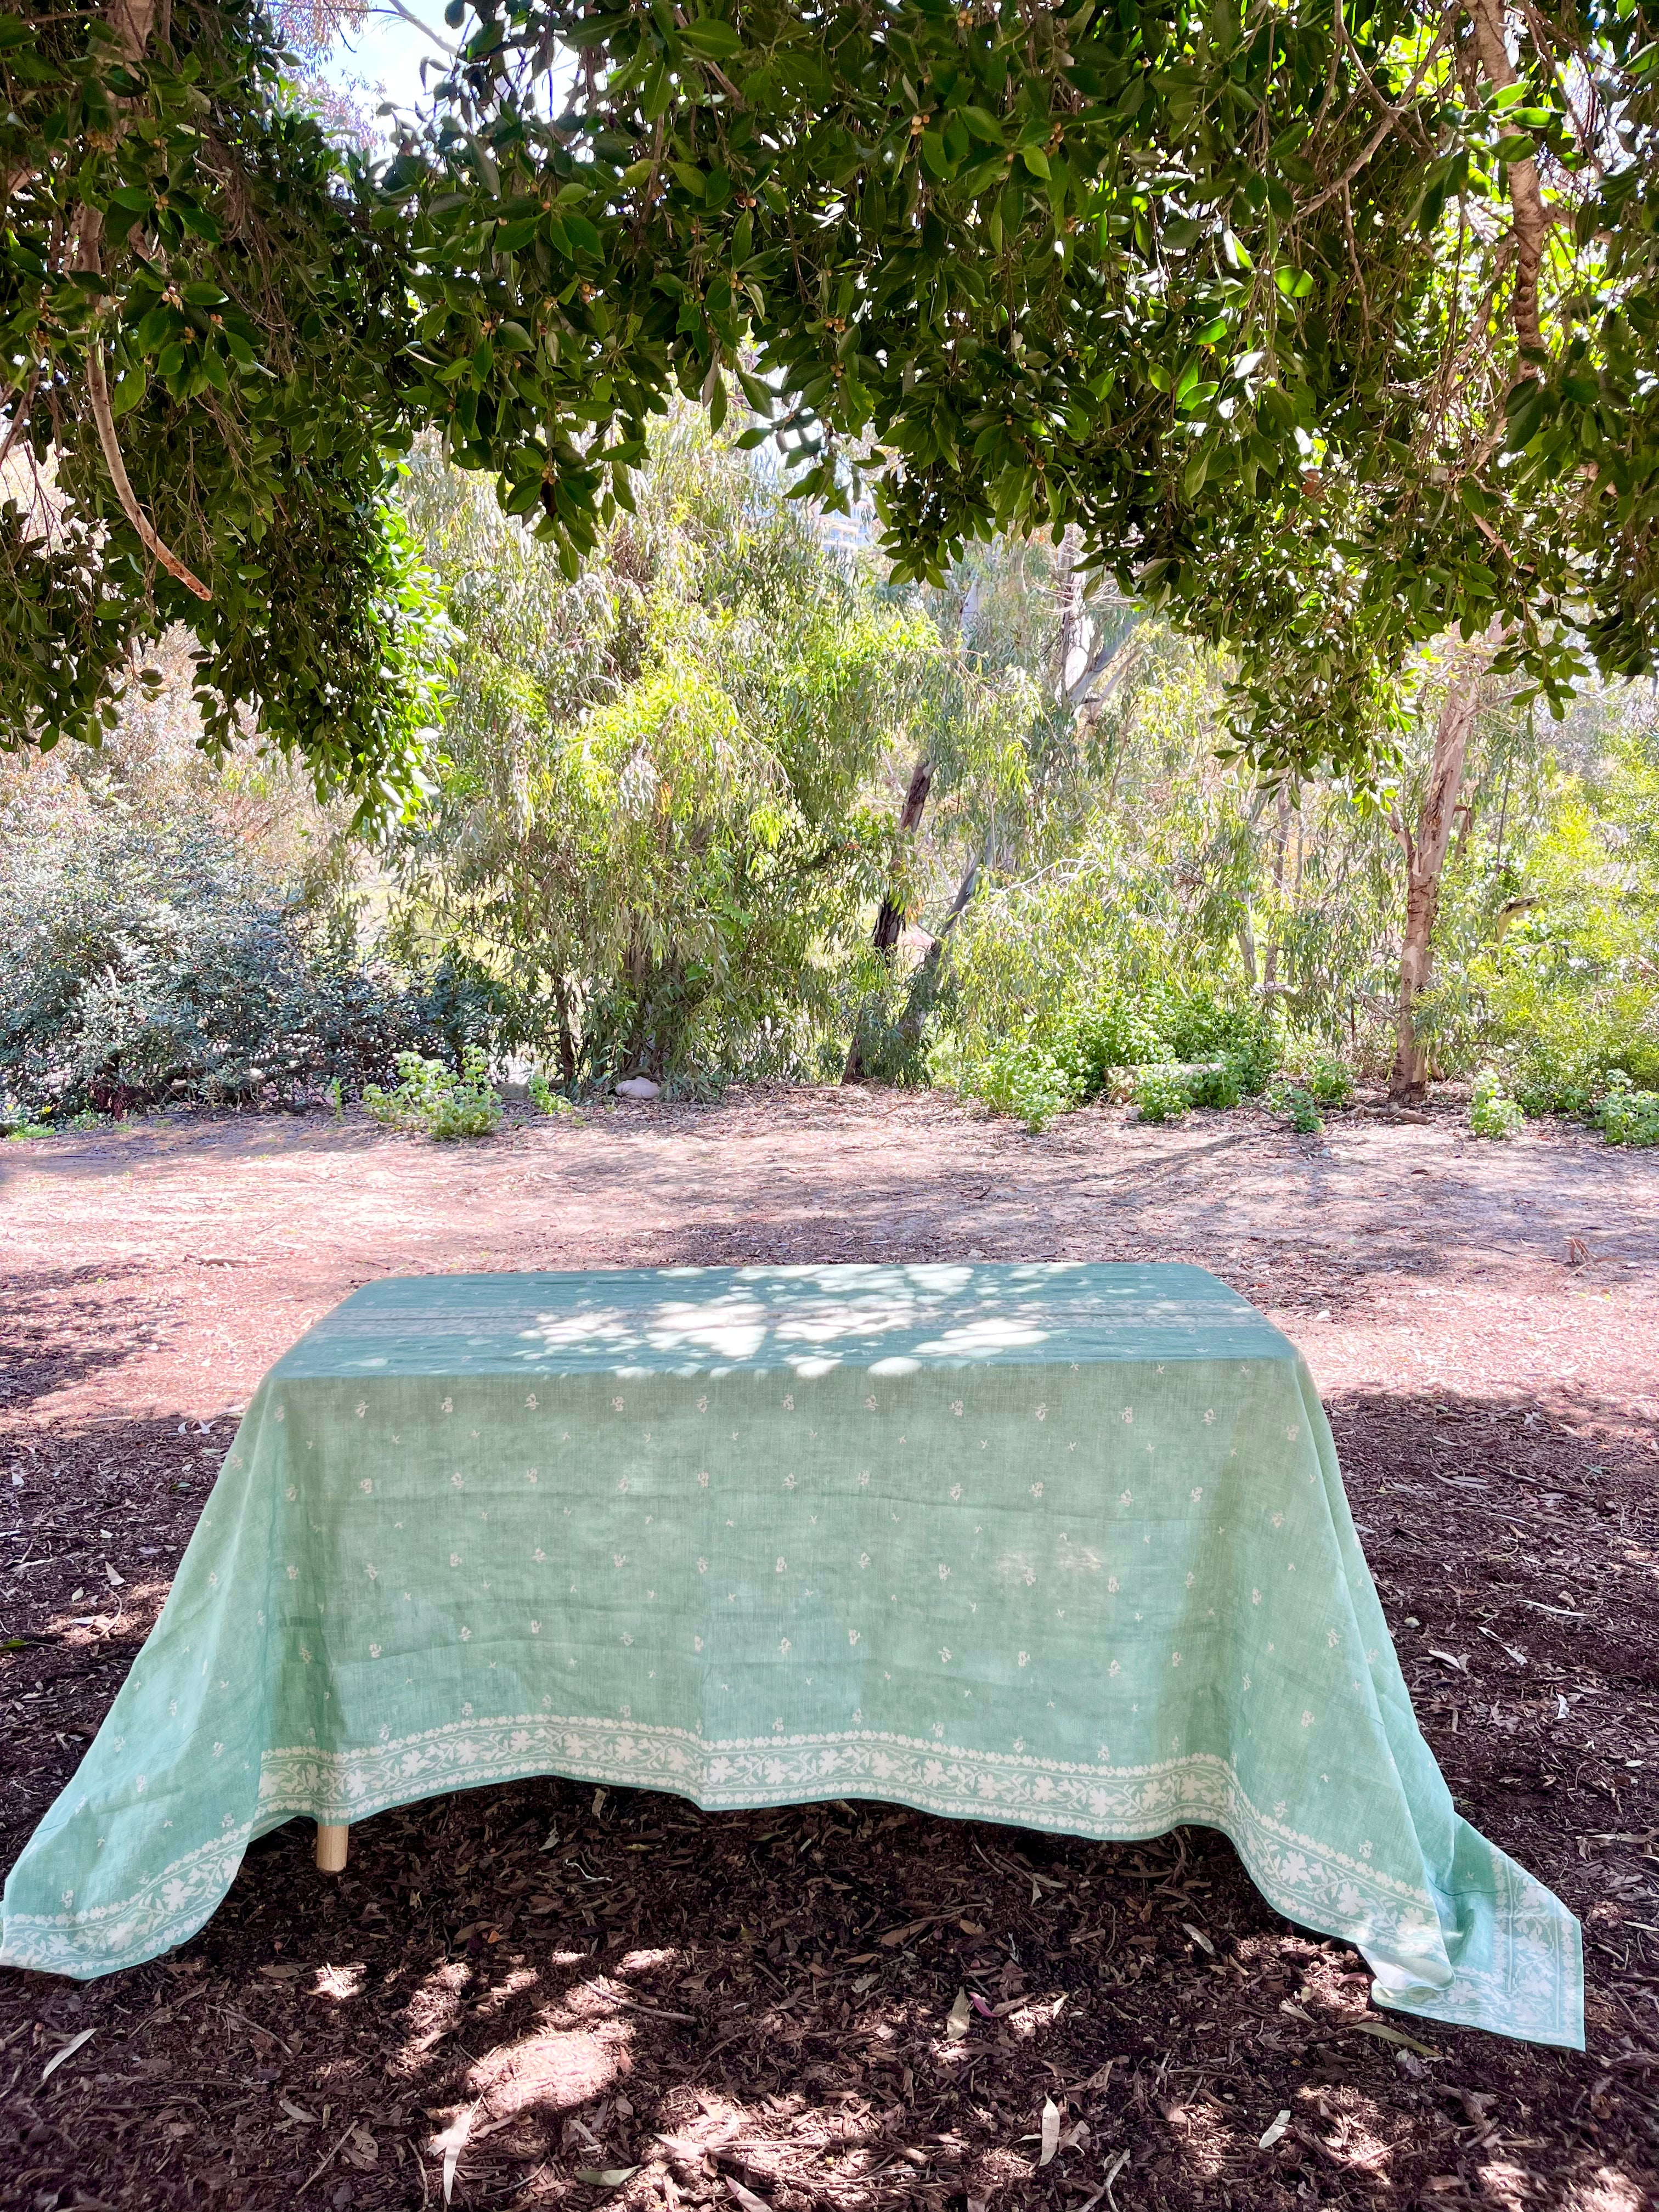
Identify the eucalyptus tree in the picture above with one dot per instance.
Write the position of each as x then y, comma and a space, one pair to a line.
1329, 326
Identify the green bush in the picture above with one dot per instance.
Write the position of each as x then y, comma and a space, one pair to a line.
1299, 1104
1627, 1115
544, 1097
1023, 1081
1491, 1113
1162, 1094
141, 965
1157, 1024
1328, 1080
435, 1102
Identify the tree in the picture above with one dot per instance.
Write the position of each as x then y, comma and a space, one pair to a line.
1330, 328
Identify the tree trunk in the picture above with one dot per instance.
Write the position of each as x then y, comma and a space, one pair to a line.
890, 920
1425, 858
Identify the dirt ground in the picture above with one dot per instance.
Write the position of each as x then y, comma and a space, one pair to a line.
529, 1984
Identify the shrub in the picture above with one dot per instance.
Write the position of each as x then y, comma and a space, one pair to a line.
1024, 1081
1491, 1113
1293, 1100
143, 965
1328, 1080
434, 1101
1628, 1117
1162, 1094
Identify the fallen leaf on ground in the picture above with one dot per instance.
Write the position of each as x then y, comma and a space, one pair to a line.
1392, 2035
68, 2051
297, 2111
957, 2026
1275, 2128
116, 1582
605, 2177
1050, 2130
747, 2197
1199, 1937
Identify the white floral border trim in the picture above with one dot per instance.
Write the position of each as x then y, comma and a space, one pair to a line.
1532, 1989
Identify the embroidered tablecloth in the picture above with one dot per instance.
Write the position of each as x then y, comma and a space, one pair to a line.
1063, 1545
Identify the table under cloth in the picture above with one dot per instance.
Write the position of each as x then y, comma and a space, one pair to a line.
1063, 1545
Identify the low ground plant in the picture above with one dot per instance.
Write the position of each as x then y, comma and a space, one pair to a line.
1492, 1113
1627, 1116
1162, 1094
432, 1100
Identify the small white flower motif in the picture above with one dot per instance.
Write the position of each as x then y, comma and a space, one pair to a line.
789, 1404
1127, 1497
458, 1480
956, 1493
1024, 1658
281, 1413
703, 1478
213, 1581
945, 1655
1112, 1584
1290, 1566
304, 1655
623, 1484
294, 1574
454, 1559
1129, 1415
1191, 1579
1365, 1849
173, 1708
467, 1712
373, 1573
782, 1567
1198, 1493
1331, 1638
1030, 1577
1114, 1668
1019, 1743
627, 1638
852, 1636
943, 1572
697, 1644
1307, 1720
1279, 1520
142, 1782
532, 1475
702, 1405
864, 1558
955, 1407
531, 1401
1175, 1658
869, 1405
1281, 1809
864, 1477
448, 1406
619, 1558
784, 1645
361, 1407
374, 1650
539, 1558
617, 1405
1292, 1433
788, 1481
1247, 1681
1036, 1490
466, 1636
292, 1493
535, 1628
1372, 1653
1256, 1597
1043, 1412
702, 1566
1209, 1416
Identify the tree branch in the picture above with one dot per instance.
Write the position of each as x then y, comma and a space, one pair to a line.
1531, 217
97, 392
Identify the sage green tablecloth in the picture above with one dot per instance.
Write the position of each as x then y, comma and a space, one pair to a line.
1061, 1546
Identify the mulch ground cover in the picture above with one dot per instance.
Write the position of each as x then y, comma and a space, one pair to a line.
550, 1993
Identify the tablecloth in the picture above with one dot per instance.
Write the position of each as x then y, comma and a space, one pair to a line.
1062, 1545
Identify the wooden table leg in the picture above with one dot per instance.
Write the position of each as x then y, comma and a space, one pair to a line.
331, 1848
